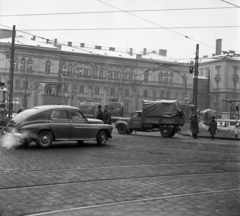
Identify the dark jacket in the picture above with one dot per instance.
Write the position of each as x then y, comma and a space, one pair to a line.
194, 125
212, 127
100, 115
107, 117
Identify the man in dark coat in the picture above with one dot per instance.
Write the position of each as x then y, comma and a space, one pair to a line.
212, 127
106, 115
194, 126
99, 113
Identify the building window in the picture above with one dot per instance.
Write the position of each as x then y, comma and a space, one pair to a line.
171, 78
85, 72
124, 76
160, 77
166, 78
15, 63
23, 64
112, 91
168, 95
81, 89
110, 74
217, 99
130, 76
17, 84
162, 94
176, 95
145, 93
101, 73
47, 66
146, 77
97, 90
69, 69
115, 74
29, 65
65, 88
127, 92
95, 72
126, 107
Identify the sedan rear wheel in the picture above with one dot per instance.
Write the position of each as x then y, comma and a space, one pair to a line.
44, 139
101, 138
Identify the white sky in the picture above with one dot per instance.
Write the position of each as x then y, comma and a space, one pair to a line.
172, 40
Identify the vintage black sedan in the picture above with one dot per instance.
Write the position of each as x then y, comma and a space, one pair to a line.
48, 123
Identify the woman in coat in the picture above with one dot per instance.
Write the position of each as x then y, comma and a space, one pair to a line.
212, 127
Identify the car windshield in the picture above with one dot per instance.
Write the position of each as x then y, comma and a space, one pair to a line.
24, 114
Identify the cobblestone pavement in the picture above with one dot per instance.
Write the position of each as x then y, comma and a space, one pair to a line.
138, 174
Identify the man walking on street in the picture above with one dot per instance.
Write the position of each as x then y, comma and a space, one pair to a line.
99, 113
106, 116
194, 126
212, 127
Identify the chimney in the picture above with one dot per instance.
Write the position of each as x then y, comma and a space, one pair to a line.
162, 52
5, 33
47, 41
131, 51
33, 38
144, 51
98, 47
218, 47
111, 48
69, 43
55, 42
82, 44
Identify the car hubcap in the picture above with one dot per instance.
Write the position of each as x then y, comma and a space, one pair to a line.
45, 140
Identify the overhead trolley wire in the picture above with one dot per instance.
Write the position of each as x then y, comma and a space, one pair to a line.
101, 12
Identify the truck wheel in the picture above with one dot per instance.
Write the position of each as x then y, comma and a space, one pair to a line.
129, 131
122, 129
172, 134
166, 131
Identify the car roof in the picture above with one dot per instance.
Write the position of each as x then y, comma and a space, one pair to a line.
49, 107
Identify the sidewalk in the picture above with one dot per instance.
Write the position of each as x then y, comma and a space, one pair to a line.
203, 133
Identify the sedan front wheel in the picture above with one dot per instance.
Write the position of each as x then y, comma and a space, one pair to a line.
44, 139
101, 138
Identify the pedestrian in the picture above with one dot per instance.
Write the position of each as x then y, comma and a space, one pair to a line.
106, 115
194, 126
99, 113
237, 124
212, 127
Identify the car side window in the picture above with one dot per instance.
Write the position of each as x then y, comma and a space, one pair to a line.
76, 115
59, 114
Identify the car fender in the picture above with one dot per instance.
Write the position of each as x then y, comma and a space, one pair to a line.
121, 122
35, 129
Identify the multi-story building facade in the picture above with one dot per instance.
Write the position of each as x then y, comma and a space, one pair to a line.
103, 74
93, 74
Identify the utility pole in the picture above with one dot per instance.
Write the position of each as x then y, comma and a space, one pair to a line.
195, 81
11, 75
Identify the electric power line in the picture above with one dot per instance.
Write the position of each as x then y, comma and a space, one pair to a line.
100, 12
140, 28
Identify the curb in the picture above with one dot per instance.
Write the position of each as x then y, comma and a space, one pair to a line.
208, 137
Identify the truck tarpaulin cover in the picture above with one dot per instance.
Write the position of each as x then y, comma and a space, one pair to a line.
161, 108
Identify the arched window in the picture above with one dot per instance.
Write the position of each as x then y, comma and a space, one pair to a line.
47, 67
127, 92
29, 65
171, 78
23, 64
145, 93
15, 63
